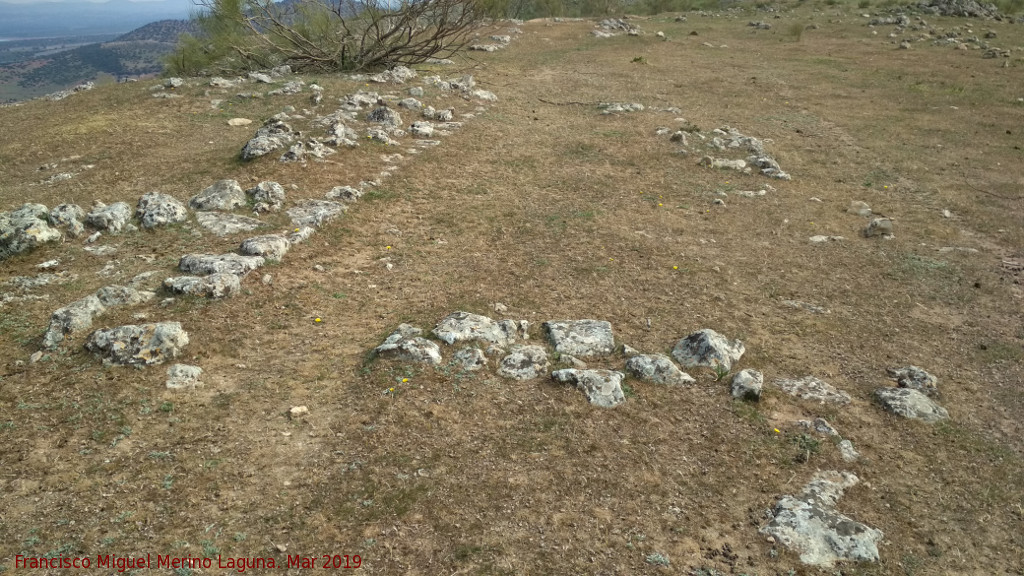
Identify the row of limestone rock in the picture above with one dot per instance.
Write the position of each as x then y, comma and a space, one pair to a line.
807, 523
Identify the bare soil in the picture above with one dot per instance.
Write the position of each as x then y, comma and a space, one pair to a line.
545, 205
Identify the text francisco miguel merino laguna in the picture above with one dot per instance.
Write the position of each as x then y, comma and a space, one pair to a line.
239, 564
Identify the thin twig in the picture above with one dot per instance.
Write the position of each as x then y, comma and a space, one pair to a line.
992, 194
568, 103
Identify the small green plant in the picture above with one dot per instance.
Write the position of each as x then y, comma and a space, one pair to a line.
658, 559
806, 445
720, 372
864, 4
168, 481
639, 60
240, 536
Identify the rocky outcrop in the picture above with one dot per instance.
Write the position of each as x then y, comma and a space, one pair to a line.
910, 403
601, 387
709, 349
155, 209
406, 343
24, 229
581, 338
657, 368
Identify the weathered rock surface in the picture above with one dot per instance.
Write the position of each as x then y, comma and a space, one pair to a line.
273, 135
467, 327
581, 338
213, 263
406, 343
138, 345
910, 403
24, 229
222, 195
315, 213
747, 385
657, 368
470, 359
346, 194
183, 376
113, 218
810, 525
223, 224
602, 387
878, 227
811, 388
385, 116
708, 348
524, 363
847, 451
69, 217
155, 209
216, 285
917, 379
271, 247
78, 316
266, 196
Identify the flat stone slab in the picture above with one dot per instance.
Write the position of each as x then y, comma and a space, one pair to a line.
910, 403
78, 316
467, 327
524, 363
405, 343
138, 345
315, 213
271, 247
657, 368
810, 525
216, 285
709, 349
601, 387
581, 338
222, 195
811, 388
212, 263
183, 376
223, 224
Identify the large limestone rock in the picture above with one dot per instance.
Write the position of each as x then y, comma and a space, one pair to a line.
213, 263
910, 403
266, 196
346, 194
406, 343
581, 338
273, 135
916, 379
524, 363
155, 209
468, 327
221, 195
138, 345
271, 247
113, 218
709, 349
216, 285
78, 316
315, 213
69, 217
811, 388
24, 229
810, 525
385, 116
747, 385
602, 387
222, 224
657, 368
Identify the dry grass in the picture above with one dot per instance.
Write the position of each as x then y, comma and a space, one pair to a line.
558, 212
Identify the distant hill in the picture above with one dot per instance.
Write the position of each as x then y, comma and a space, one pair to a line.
52, 19
166, 31
33, 68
